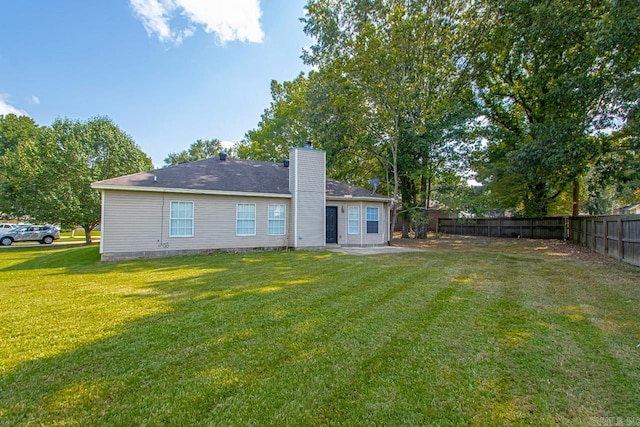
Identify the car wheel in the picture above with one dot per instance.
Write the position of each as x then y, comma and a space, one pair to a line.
6, 241
47, 240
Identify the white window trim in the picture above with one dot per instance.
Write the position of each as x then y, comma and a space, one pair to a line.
283, 220
193, 220
357, 220
254, 219
367, 220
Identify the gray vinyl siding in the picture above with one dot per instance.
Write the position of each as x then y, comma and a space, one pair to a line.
307, 184
362, 238
135, 221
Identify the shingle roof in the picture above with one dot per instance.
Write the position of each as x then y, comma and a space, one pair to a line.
230, 175
340, 189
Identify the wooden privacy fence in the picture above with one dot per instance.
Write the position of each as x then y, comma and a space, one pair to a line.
614, 236
527, 228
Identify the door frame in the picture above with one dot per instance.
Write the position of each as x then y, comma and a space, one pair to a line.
333, 237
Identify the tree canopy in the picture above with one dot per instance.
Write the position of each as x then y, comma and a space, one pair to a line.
199, 150
47, 173
536, 100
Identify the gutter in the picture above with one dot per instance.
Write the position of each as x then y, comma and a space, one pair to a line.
97, 186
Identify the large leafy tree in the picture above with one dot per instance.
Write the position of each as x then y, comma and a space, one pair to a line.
546, 89
614, 176
321, 108
13, 130
282, 125
401, 68
199, 150
49, 177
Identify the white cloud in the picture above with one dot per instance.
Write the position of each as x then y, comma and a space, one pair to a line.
6, 108
227, 144
228, 20
34, 100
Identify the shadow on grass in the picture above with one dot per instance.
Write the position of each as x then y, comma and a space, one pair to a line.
220, 335
320, 338
86, 259
52, 257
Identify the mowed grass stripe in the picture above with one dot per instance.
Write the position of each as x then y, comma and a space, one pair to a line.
480, 336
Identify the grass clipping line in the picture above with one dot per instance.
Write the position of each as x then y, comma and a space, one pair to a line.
470, 331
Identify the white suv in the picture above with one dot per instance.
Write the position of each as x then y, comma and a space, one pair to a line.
7, 227
44, 234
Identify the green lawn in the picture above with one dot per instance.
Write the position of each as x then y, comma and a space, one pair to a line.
470, 332
79, 233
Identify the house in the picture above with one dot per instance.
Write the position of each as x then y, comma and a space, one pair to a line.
231, 204
633, 209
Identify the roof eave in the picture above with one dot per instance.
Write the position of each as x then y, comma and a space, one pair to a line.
98, 186
359, 199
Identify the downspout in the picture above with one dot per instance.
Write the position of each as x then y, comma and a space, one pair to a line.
103, 198
361, 227
324, 201
389, 230
162, 243
346, 224
385, 228
295, 198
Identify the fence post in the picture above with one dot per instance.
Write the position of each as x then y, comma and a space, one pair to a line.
620, 240
606, 237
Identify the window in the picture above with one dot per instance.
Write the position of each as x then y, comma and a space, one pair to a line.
181, 219
354, 220
372, 220
245, 219
277, 215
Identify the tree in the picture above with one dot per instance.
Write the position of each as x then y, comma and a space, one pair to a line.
545, 91
199, 150
50, 177
614, 176
402, 69
320, 108
13, 130
282, 124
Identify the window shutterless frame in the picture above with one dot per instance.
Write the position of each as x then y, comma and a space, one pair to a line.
353, 220
277, 220
181, 219
246, 219
372, 220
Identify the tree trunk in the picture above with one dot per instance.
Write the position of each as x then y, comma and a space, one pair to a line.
576, 198
395, 143
406, 226
87, 234
536, 204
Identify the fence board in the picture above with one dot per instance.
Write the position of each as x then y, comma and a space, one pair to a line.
528, 228
615, 236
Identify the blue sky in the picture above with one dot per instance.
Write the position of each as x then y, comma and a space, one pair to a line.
167, 72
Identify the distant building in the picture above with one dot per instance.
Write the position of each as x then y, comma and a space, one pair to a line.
633, 209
